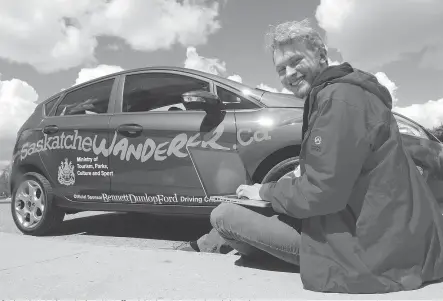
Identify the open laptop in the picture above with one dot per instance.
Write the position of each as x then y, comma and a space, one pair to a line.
220, 173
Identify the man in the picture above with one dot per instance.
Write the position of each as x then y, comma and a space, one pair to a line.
370, 224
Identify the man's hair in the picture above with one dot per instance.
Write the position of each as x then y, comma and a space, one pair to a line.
293, 31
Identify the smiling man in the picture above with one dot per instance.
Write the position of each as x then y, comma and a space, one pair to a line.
370, 224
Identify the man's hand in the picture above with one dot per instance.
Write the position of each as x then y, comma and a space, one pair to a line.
249, 191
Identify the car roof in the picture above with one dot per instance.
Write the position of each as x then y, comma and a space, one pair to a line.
207, 75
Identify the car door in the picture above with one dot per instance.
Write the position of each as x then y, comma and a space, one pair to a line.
413, 134
152, 129
75, 140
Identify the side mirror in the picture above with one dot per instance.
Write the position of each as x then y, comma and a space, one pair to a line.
201, 99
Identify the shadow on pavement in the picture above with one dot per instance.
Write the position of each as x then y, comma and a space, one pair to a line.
137, 225
268, 263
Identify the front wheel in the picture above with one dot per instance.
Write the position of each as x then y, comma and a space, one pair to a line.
282, 169
32, 205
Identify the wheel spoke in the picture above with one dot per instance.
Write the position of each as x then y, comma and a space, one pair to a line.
29, 204
32, 190
31, 218
22, 196
21, 212
39, 205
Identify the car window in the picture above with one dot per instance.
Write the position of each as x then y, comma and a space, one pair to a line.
155, 92
409, 128
233, 101
91, 99
49, 105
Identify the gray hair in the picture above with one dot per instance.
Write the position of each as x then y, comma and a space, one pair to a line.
288, 32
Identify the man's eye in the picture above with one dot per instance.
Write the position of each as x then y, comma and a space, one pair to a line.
295, 63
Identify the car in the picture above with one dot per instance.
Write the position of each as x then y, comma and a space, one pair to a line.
118, 143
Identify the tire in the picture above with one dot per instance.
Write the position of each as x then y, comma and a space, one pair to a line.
281, 169
46, 218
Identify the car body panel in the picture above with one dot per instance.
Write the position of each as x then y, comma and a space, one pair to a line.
164, 169
76, 151
264, 135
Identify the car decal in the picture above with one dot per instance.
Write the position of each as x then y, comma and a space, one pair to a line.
142, 151
154, 199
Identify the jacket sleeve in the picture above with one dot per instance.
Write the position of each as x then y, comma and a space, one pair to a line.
428, 158
335, 152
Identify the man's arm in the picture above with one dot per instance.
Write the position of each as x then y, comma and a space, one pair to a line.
335, 153
428, 158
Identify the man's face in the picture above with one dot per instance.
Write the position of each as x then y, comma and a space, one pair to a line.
297, 67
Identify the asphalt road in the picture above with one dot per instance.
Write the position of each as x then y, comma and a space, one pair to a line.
143, 231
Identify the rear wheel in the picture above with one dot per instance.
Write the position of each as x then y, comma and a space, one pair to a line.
32, 205
282, 169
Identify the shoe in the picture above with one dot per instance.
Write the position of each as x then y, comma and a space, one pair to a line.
190, 246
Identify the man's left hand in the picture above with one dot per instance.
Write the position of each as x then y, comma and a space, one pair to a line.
249, 191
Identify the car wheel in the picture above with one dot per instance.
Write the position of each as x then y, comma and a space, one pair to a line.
282, 169
32, 205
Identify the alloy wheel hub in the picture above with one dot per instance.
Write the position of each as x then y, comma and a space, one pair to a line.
29, 204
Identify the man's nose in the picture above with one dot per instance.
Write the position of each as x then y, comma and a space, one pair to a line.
291, 71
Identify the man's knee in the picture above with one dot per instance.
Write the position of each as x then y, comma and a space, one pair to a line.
222, 215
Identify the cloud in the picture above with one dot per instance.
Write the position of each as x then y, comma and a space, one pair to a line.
274, 90
54, 35
17, 100
333, 63
209, 65
390, 85
236, 78
148, 25
3, 164
429, 114
373, 33
87, 74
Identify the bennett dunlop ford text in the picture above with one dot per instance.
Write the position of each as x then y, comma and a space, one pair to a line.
158, 199
142, 151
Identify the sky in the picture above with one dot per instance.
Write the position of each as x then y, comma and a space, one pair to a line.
50, 45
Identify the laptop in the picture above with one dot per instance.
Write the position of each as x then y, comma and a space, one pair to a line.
220, 173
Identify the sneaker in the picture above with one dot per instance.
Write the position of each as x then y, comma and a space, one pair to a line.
190, 246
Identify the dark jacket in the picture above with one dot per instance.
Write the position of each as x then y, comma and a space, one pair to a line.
370, 222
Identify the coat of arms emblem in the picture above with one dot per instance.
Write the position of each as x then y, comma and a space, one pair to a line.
66, 174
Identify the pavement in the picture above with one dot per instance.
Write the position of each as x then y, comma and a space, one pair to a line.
48, 268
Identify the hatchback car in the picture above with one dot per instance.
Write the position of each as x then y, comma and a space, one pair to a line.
118, 143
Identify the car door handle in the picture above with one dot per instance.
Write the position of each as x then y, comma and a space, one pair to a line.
131, 130
50, 129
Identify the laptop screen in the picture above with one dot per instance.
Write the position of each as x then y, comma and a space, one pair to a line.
220, 172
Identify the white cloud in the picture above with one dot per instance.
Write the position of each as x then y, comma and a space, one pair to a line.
372, 33
86, 74
17, 100
209, 65
274, 90
267, 88
390, 85
333, 63
157, 24
236, 78
54, 35
3, 164
428, 114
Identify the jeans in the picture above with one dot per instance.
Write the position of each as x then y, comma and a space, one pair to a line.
254, 234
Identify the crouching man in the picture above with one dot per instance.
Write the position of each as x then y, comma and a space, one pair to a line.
370, 224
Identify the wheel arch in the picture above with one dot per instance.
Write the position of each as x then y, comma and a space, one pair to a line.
19, 171
273, 159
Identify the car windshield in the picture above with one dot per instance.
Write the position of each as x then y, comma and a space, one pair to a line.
281, 100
